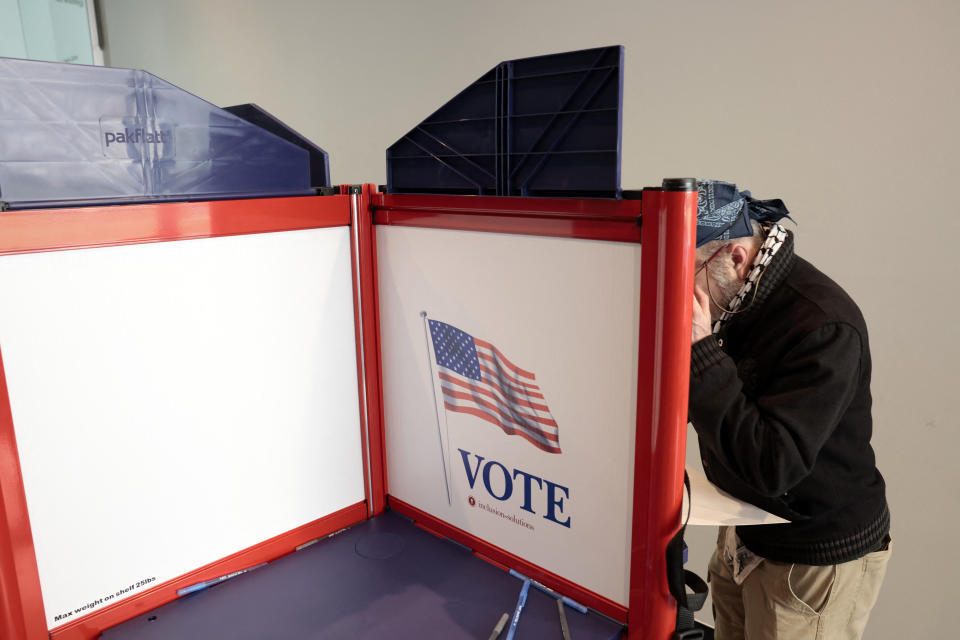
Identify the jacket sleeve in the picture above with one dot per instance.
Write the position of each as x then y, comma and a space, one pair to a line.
771, 441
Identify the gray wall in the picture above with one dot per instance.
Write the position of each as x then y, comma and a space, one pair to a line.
846, 110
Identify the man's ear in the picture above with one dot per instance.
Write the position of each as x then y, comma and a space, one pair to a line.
741, 257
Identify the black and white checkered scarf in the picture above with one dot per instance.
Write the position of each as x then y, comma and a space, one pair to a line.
768, 249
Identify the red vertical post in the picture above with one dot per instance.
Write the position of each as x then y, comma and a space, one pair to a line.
668, 241
21, 603
368, 345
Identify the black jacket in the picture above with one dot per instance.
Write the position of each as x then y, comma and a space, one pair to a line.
780, 400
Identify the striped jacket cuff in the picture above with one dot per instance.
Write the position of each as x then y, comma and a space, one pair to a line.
704, 354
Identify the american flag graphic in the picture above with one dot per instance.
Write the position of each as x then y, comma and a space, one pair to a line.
477, 379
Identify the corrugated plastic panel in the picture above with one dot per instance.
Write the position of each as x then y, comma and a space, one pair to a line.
542, 126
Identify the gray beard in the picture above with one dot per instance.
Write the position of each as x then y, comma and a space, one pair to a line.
722, 291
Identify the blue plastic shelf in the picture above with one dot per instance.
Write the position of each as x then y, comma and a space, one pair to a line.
543, 126
73, 135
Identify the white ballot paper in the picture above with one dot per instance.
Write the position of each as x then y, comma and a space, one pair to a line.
712, 506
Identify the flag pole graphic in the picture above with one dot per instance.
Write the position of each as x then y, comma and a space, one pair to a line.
433, 385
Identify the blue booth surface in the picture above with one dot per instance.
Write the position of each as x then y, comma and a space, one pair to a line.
75, 135
383, 578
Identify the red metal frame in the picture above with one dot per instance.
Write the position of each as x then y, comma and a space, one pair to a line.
368, 326
92, 625
32, 231
669, 231
591, 219
507, 560
666, 308
21, 603
36, 230
666, 279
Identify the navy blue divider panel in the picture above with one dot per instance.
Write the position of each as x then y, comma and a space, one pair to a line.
543, 126
73, 134
319, 159
383, 578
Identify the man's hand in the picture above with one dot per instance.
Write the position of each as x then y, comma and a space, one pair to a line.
701, 314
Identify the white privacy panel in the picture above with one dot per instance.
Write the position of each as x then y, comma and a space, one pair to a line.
558, 491
177, 402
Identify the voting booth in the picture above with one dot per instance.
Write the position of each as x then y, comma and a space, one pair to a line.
238, 402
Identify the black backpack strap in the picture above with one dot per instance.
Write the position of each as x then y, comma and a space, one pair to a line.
679, 579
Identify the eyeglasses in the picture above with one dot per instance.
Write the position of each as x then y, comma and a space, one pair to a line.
707, 261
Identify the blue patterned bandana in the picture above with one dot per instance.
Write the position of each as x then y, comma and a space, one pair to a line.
723, 213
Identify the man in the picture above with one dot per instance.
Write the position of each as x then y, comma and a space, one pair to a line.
780, 400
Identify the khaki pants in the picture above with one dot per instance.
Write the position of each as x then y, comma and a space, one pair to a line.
794, 601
